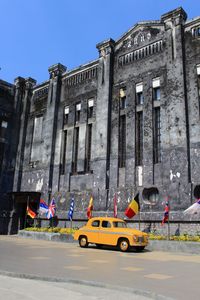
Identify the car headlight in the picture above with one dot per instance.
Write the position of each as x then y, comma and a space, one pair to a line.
135, 238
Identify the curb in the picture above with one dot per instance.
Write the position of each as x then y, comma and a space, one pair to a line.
147, 294
154, 245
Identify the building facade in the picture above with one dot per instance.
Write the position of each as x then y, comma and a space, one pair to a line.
126, 122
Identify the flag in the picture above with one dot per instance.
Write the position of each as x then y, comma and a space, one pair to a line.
115, 206
43, 208
52, 209
30, 212
71, 209
133, 208
166, 213
90, 208
194, 208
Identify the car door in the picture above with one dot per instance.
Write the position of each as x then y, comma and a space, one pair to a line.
106, 233
93, 232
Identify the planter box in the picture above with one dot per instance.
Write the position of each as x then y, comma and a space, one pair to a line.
48, 236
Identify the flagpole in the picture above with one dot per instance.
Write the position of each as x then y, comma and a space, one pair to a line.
27, 205
71, 226
139, 220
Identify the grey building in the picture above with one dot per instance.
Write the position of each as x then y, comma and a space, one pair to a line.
127, 122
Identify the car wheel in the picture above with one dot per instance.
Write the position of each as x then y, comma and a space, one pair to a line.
83, 243
123, 245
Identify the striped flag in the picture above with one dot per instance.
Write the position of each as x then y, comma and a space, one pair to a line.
52, 209
71, 209
90, 208
43, 208
115, 205
133, 208
166, 213
30, 212
194, 208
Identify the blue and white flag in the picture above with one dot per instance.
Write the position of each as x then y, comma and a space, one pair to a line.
194, 208
43, 208
71, 209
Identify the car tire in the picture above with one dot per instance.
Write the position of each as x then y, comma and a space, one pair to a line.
123, 245
83, 242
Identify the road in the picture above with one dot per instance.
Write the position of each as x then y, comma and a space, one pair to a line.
174, 275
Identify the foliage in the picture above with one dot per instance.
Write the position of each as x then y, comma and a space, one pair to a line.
52, 229
184, 237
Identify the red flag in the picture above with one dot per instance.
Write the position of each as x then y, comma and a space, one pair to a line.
90, 208
166, 213
30, 212
133, 208
115, 206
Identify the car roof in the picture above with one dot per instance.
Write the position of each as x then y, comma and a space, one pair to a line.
107, 219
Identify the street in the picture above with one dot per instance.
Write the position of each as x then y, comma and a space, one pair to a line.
173, 275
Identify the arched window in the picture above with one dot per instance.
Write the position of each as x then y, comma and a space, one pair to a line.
150, 195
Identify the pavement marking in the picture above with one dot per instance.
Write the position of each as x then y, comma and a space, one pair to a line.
131, 269
99, 261
76, 268
158, 276
39, 257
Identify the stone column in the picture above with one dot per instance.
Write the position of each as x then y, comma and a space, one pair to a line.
22, 107
50, 128
101, 153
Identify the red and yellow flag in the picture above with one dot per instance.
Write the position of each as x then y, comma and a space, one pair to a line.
133, 208
30, 212
90, 208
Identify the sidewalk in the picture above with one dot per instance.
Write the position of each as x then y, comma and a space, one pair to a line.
29, 289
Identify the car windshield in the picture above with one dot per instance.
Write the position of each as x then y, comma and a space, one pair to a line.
119, 224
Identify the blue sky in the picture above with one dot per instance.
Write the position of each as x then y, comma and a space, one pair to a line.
36, 34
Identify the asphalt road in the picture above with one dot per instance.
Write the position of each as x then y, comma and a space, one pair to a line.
99, 273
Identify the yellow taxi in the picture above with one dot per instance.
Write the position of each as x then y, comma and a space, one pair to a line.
112, 232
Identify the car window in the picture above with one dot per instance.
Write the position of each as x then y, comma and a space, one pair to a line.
95, 223
106, 224
119, 224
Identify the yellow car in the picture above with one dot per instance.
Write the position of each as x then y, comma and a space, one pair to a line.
112, 232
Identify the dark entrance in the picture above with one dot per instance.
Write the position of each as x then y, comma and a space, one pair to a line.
20, 200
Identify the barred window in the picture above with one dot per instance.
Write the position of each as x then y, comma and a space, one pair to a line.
75, 150
88, 148
63, 152
156, 89
3, 128
122, 95
66, 115
157, 136
90, 108
139, 93
139, 138
78, 113
122, 141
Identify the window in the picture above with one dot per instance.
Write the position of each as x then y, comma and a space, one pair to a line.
198, 84
36, 149
156, 89
95, 223
75, 150
139, 94
139, 138
122, 95
78, 113
157, 136
122, 141
88, 148
3, 127
119, 224
106, 224
66, 115
63, 152
90, 108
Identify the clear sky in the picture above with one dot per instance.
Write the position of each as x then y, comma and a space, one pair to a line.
36, 34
